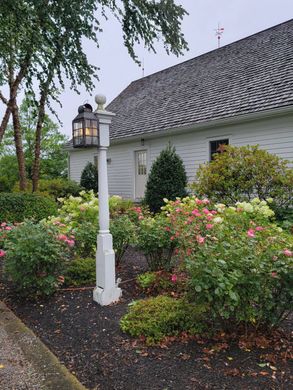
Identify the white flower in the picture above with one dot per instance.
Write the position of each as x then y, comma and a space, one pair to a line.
218, 220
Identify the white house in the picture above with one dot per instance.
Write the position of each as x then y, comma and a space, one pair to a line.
239, 94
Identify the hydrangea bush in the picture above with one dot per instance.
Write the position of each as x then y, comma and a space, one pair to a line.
238, 261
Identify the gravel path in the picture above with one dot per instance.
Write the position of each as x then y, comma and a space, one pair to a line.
16, 373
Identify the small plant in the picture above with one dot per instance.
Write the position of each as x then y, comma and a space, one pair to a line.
89, 177
154, 240
81, 272
159, 282
167, 179
35, 257
162, 316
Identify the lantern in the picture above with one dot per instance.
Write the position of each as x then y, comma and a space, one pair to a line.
85, 129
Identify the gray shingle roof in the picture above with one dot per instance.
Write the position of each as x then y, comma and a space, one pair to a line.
247, 76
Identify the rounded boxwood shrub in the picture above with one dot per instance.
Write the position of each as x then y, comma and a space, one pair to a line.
167, 179
18, 207
162, 316
81, 272
34, 259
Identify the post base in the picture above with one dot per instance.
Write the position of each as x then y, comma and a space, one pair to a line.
106, 297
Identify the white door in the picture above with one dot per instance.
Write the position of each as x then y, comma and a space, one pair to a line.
140, 173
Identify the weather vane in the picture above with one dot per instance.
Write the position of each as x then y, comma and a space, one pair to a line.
219, 32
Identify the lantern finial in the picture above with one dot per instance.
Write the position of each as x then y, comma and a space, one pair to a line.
101, 101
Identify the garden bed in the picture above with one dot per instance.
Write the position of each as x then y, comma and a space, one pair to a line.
88, 340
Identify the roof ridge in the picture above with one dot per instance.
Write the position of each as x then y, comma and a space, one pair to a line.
210, 51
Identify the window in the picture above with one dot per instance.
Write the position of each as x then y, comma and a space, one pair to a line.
142, 163
217, 147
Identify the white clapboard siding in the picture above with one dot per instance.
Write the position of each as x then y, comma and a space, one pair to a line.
274, 135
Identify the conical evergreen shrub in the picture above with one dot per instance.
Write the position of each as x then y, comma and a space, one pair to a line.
167, 179
89, 177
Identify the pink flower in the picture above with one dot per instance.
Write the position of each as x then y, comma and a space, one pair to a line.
288, 253
196, 213
178, 210
2, 253
62, 237
141, 217
259, 228
8, 228
205, 201
209, 226
206, 211
209, 217
200, 239
174, 278
3, 224
172, 238
70, 243
167, 228
250, 233
198, 201
214, 212
274, 274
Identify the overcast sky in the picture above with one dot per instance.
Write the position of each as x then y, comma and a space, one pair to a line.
240, 18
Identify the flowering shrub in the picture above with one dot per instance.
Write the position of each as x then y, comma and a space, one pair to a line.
154, 240
237, 260
34, 259
75, 210
5, 229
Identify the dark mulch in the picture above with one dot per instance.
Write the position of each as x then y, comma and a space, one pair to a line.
87, 338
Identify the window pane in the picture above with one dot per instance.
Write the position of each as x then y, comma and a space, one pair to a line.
217, 147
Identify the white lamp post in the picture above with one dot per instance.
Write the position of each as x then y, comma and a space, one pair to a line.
107, 290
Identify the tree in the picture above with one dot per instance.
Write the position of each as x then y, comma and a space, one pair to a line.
167, 179
89, 177
42, 42
243, 173
53, 155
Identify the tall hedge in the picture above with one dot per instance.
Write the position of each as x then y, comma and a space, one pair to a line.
167, 179
16, 207
89, 177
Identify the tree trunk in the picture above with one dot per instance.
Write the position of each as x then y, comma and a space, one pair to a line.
4, 122
19, 146
38, 138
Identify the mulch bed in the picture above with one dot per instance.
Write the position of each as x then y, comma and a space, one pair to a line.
87, 339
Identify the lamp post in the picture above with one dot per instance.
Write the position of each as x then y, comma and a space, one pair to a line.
92, 129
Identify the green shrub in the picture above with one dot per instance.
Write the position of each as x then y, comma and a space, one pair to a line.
243, 173
154, 240
35, 259
162, 316
89, 177
55, 188
147, 280
124, 234
167, 179
18, 207
81, 272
